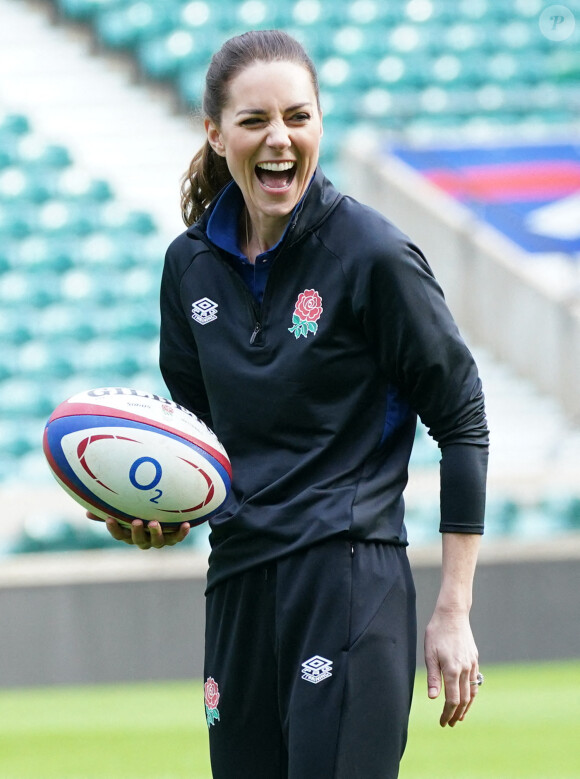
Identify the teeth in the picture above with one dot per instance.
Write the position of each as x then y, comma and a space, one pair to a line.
276, 167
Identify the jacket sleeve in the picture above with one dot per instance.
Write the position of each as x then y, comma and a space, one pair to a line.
406, 318
178, 356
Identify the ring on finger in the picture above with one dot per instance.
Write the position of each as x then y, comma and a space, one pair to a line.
478, 680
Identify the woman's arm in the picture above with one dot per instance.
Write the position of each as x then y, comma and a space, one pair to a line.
450, 650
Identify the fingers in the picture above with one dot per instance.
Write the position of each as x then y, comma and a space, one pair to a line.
119, 532
150, 536
473, 689
459, 694
451, 658
433, 677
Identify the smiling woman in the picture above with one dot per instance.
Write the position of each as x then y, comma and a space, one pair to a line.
269, 134
273, 49
328, 334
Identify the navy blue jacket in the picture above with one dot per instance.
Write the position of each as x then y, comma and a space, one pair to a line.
314, 394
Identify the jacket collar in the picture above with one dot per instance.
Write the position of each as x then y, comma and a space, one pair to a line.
320, 199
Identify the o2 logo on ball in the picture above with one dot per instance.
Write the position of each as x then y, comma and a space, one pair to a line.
154, 482
139, 484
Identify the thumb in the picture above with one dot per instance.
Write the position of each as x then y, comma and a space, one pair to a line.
433, 678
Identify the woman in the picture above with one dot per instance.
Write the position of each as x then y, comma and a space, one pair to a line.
309, 332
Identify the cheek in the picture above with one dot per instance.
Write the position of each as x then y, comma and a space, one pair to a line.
239, 158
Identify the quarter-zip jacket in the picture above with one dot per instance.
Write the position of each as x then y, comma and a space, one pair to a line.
315, 393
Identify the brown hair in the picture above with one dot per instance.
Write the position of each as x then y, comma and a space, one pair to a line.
208, 171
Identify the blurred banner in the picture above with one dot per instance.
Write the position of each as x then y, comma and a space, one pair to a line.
529, 193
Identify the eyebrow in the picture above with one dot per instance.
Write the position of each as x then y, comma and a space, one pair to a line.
245, 111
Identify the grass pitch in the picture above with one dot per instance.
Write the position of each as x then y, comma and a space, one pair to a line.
525, 723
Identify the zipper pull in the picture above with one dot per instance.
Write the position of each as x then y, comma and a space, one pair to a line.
256, 333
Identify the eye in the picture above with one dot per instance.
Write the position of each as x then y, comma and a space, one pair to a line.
252, 121
300, 117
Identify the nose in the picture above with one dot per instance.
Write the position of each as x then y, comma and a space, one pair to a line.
278, 137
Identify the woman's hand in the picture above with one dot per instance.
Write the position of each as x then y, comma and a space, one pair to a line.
145, 536
450, 651
451, 656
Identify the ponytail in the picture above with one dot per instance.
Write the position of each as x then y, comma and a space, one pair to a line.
207, 174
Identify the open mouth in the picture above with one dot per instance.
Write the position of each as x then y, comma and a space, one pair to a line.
276, 175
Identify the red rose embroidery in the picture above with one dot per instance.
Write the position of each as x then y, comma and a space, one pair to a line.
307, 312
309, 305
212, 693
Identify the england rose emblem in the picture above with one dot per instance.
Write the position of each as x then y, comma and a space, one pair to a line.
307, 311
212, 696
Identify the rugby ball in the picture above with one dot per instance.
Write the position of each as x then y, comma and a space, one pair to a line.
131, 454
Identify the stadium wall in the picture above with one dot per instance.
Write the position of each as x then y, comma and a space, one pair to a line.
489, 282
111, 616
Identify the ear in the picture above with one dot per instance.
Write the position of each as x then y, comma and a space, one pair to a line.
214, 137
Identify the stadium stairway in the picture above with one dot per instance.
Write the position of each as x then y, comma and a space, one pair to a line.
118, 129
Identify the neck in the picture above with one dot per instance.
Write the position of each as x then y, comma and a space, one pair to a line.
257, 240
253, 246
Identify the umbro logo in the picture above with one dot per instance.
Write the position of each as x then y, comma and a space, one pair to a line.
204, 311
316, 669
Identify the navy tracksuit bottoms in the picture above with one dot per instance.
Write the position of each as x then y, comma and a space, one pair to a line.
310, 663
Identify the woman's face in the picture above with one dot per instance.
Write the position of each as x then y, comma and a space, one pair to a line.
269, 134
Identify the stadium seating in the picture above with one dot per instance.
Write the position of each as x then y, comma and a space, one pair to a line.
403, 67
413, 68
78, 287
79, 273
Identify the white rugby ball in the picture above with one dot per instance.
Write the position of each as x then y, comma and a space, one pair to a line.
132, 454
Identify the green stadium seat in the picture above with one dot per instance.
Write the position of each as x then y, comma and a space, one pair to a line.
120, 221
19, 437
22, 398
201, 14
562, 510
45, 253
64, 321
13, 124
315, 14
371, 13
16, 325
190, 81
59, 535
422, 522
15, 221
425, 451
67, 218
35, 153
501, 516
166, 56
137, 323
8, 360
124, 26
16, 183
563, 66
256, 14
43, 360
75, 184
85, 9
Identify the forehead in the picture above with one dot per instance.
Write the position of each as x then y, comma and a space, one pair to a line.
262, 83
